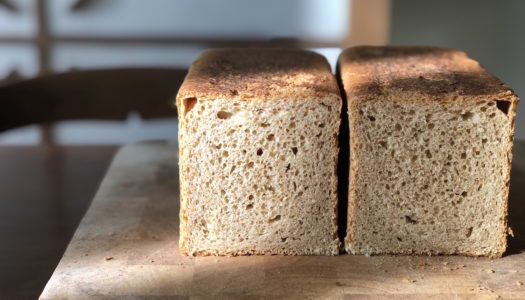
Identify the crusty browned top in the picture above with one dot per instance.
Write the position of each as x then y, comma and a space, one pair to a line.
416, 73
252, 73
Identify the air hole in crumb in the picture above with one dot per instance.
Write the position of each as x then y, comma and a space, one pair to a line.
469, 232
464, 194
224, 115
414, 158
327, 106
408, 219
397, 127
430, 126
411, 112
250, 197
294, 150
225, 153
283, 239
467, 116
371, 118
483, 141
259, 151
503, 106
249, 165
276, 218
321, 125
249, 206
270, 137
492, 115
265, 125
428, 154
383, 144
463, 155
287, 167
399, 239
188, 104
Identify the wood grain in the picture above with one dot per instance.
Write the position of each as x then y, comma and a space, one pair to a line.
126, 245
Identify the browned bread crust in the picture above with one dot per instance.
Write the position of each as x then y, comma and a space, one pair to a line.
417, 73
265, 74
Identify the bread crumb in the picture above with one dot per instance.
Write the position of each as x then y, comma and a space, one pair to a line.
108, 257
458, 267
408, 280
510, 232
447, 269
484, 288
519, 283
445, 263
489, 271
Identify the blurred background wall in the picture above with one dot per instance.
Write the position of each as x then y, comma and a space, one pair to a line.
48, 36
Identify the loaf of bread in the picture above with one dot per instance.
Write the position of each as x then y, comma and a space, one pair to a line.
430, 149
258, 142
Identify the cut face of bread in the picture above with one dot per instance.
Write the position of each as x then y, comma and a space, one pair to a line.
258, 172
430, 149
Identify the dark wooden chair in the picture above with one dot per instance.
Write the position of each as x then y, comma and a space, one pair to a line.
94, 95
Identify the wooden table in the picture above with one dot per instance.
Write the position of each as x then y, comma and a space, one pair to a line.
126, 246
44, 192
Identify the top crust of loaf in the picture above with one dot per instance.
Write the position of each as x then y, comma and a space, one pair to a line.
262, 74
417, 73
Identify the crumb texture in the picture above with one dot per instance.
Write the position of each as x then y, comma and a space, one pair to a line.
259, 177
429, 165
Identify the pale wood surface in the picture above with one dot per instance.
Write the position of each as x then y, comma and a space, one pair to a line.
126, 246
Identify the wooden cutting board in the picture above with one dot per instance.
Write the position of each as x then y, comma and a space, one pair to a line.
126, 246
